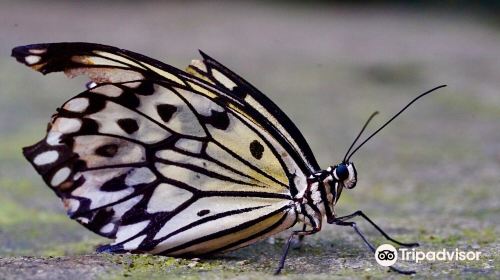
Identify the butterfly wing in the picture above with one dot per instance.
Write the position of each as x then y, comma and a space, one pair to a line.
160, 162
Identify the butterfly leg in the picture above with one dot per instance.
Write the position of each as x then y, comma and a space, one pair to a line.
370, 246
287, 246
363, 215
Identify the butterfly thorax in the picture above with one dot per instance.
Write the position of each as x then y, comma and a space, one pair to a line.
323, 191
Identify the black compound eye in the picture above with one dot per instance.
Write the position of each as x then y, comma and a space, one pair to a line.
342, 172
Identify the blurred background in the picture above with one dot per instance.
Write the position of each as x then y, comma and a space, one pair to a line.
432, 176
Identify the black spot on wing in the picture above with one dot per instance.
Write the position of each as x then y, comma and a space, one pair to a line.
128, 125
256, 149
203, 212
89, 126
217, 119
239, 92
166, 111
108, 150
96, 103
128, 99
115, 184
145, 88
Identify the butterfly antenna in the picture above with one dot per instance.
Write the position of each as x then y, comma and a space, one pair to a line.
359, 134
395, 116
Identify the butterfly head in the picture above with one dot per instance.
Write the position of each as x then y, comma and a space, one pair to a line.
344, 174
340, 176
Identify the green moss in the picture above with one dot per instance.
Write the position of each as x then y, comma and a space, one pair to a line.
449, 240
160, 267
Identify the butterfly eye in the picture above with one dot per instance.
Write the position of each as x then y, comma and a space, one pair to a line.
341, 172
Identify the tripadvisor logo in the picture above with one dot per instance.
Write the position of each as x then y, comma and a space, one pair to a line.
387, 255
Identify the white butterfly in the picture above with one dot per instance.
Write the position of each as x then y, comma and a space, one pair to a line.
179, 163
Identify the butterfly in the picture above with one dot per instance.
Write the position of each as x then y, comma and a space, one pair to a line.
180, 163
